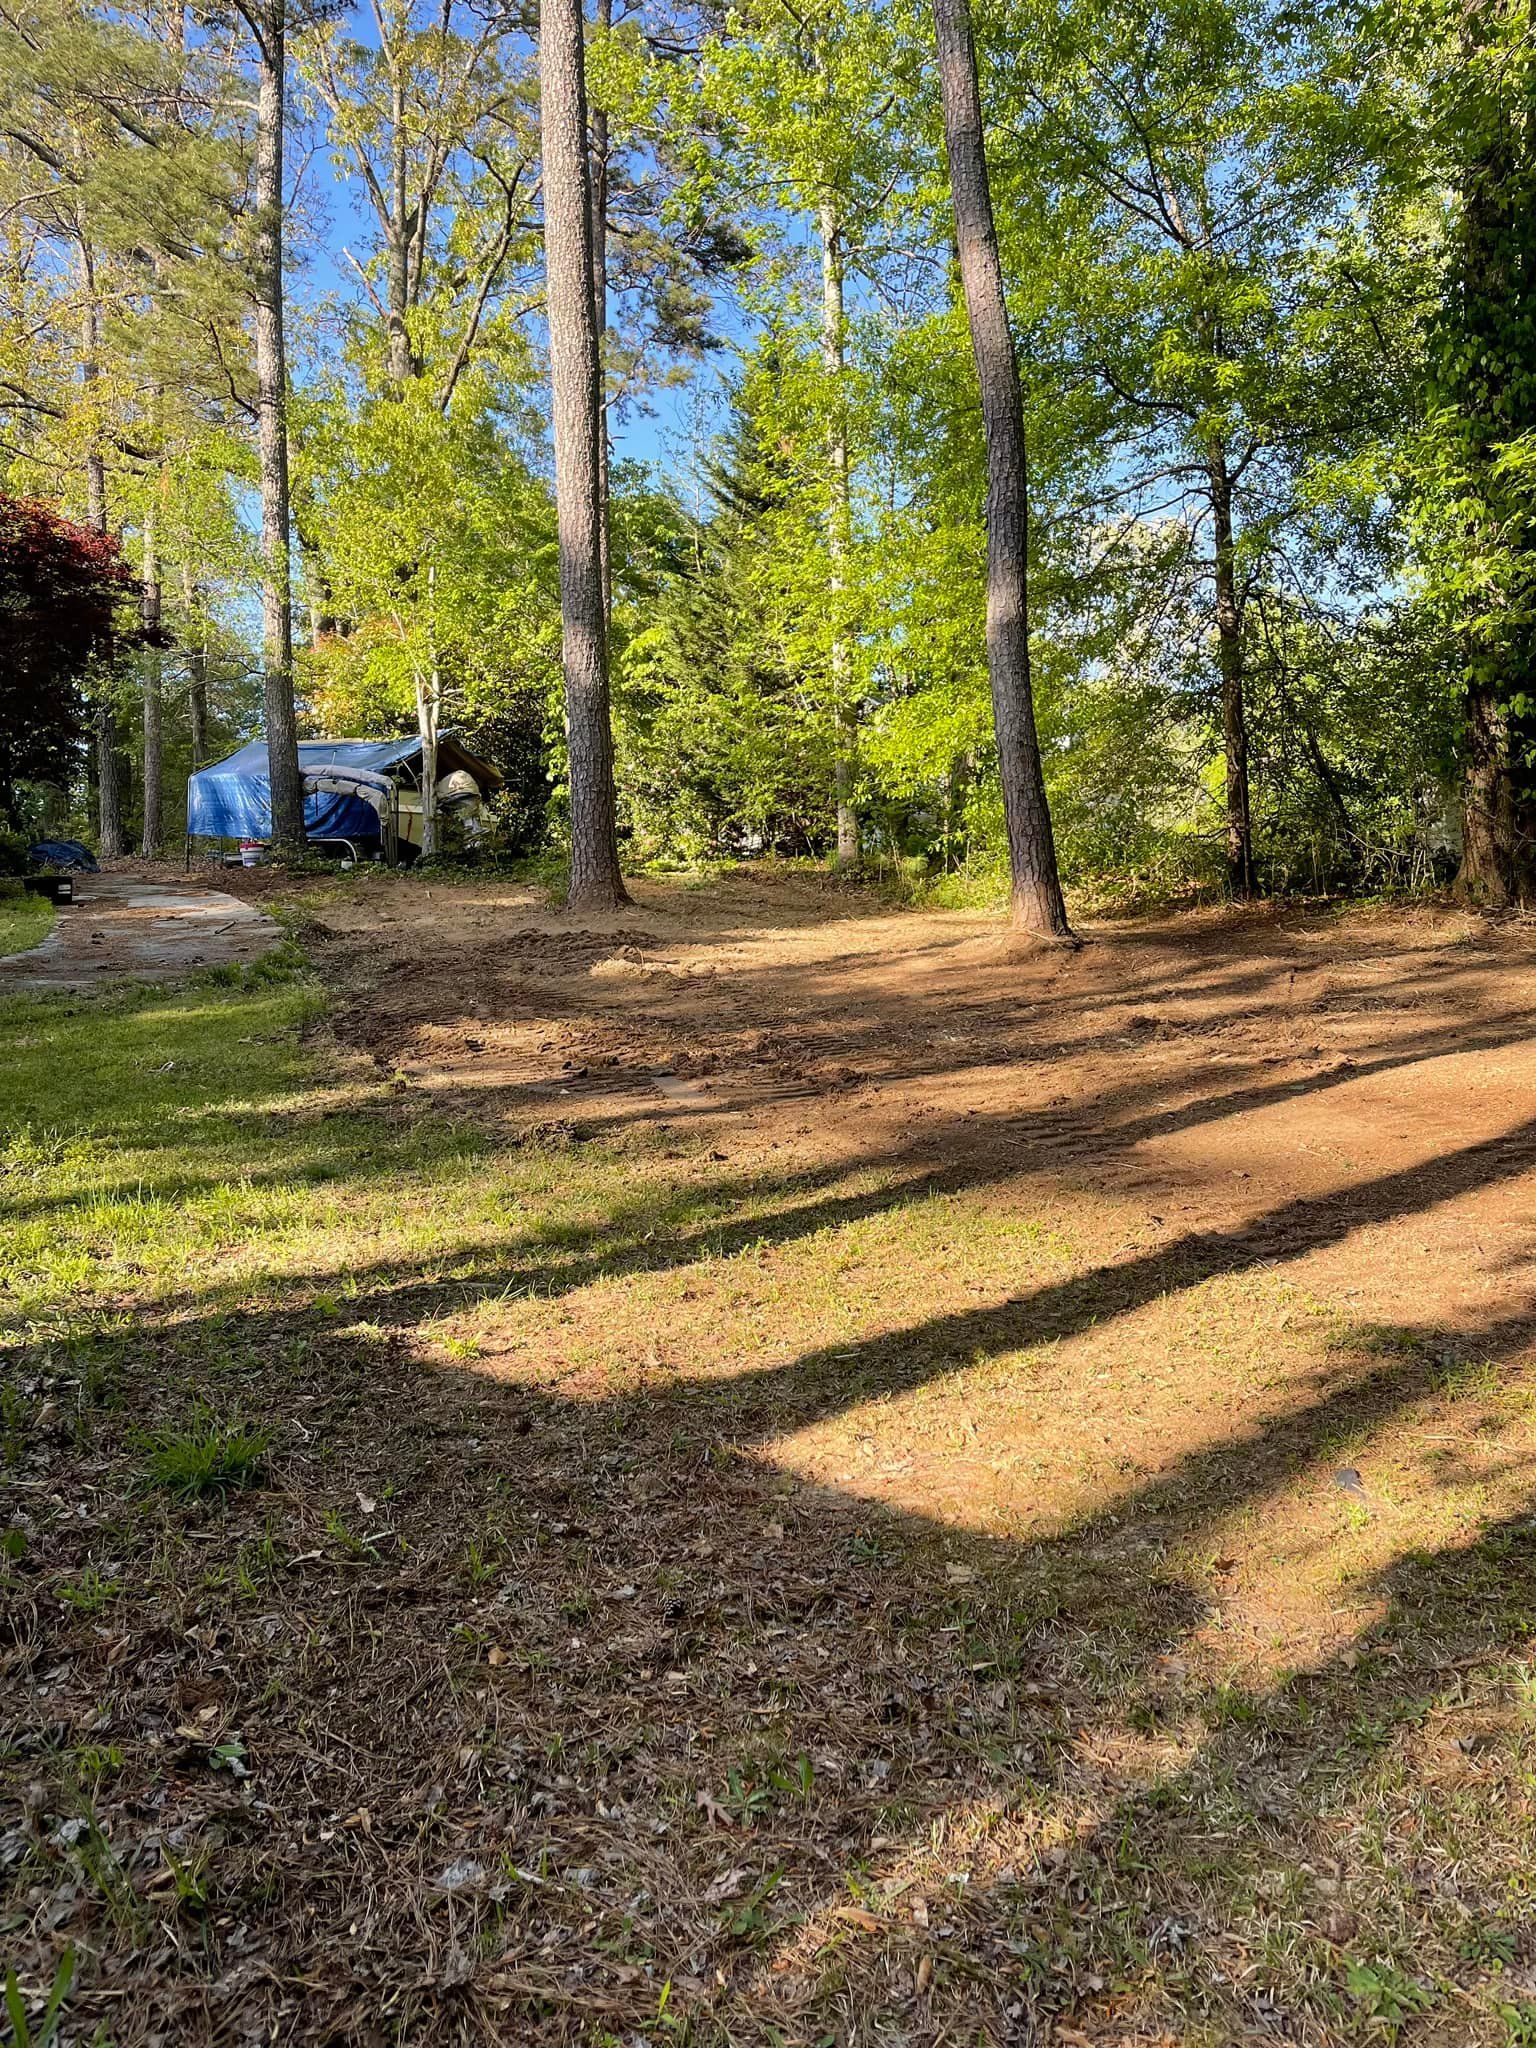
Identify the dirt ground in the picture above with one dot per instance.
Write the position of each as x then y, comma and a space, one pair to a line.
1344, 1102
1099, 1411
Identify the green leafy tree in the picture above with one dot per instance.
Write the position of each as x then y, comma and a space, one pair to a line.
437, 550
727, 742
804, 99
1198, 190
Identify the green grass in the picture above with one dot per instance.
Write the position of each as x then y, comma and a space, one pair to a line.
189, 1153
206, 1456
177, 1147
25, 919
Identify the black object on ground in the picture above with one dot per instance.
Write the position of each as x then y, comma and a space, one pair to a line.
63, 853
57, 888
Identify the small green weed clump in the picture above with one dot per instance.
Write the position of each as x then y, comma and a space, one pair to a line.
208, 1456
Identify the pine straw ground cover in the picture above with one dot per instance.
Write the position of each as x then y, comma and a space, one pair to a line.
399, 1646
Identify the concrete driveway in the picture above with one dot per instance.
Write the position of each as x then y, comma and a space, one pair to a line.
122, 927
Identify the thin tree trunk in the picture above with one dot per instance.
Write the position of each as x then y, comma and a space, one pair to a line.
150, 609
1241, 875
956, 785
270, 29
1327, 778
318, 596
428, 704
833, 327
110, 837
429, 701
1036, 883
90, 376
398, 248
576, 407
599, 132
197, 666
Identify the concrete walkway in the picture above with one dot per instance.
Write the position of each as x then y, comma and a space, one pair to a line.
121, 927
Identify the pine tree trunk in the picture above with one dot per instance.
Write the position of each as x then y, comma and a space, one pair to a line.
1036, 884
272, 435
150, 607
576, 407
112, 840
90, 376
1487, 872
1242, 877
839, 524
599, 131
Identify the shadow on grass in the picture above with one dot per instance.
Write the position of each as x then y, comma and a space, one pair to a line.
705, 1682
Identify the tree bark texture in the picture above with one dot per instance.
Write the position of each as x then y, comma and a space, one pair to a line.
839, 524
599, 134
1490, 871
111, 839
576, 407
1487, 875
272, 434
90, 376
1242, 876
150, 612
399, 244
1036, 884
429, 704
197, 666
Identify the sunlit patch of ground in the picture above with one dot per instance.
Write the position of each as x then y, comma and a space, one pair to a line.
772, 1473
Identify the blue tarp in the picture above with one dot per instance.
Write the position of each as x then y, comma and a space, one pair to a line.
62, 853
232, 799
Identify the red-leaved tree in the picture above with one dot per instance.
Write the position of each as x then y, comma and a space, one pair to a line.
61, 586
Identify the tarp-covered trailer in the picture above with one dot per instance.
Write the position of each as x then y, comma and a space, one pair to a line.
361, 795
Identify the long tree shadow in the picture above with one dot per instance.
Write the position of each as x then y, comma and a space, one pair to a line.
354, 1154
656, 1232
823, 1382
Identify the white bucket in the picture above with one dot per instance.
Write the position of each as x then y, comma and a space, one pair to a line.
250, 854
